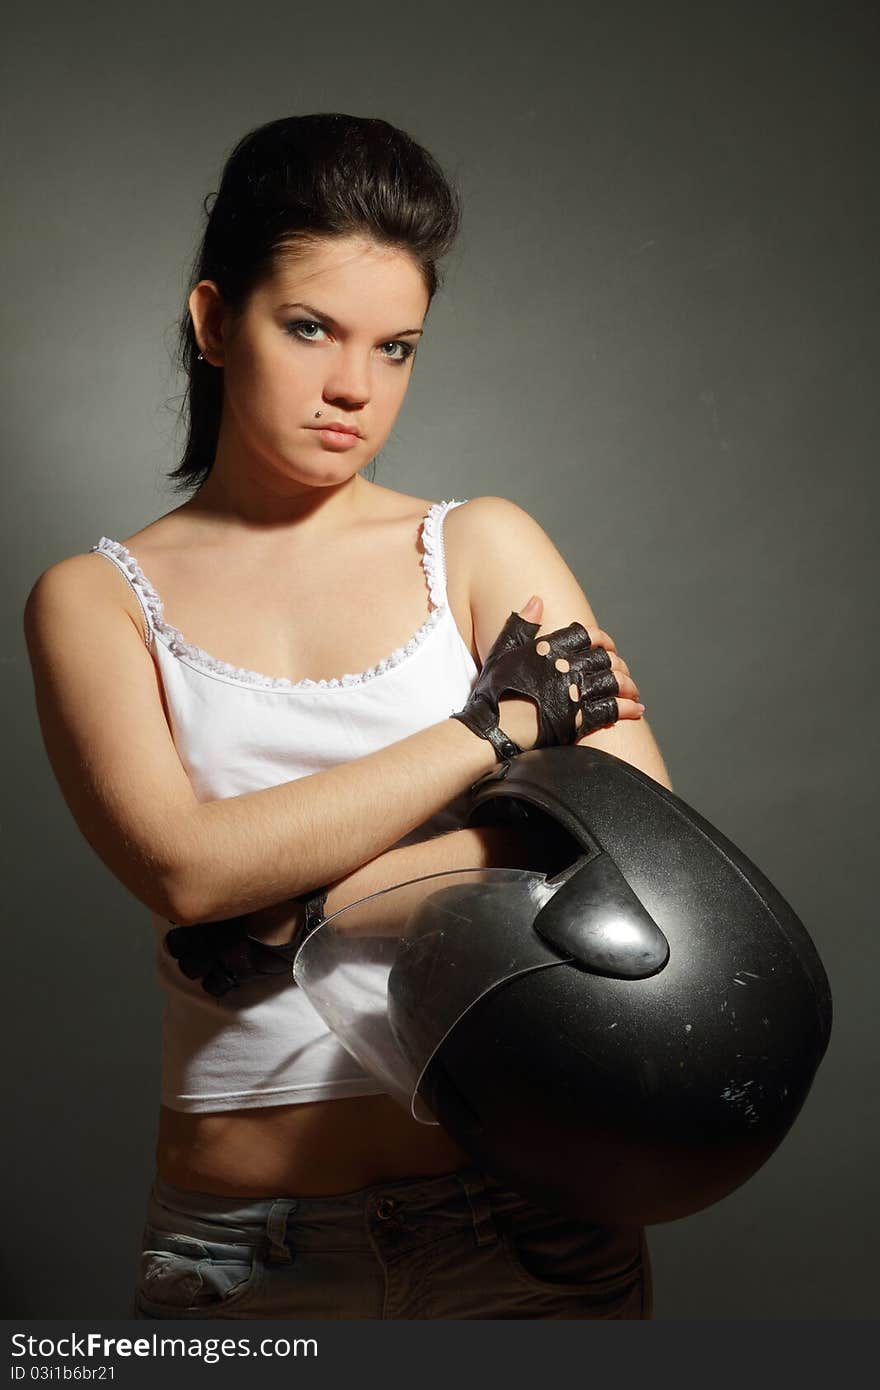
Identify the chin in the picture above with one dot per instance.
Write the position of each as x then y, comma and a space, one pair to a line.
327, 473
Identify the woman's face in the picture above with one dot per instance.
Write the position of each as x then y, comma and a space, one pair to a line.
334, 331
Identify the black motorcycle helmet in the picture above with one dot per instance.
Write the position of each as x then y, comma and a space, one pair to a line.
627, 1040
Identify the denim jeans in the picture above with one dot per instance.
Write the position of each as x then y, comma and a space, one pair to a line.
455, 1246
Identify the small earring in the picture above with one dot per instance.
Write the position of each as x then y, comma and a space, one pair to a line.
201, 357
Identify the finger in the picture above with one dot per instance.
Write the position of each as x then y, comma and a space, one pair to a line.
625, 684
600, 638
599, 715
194, 967
575, 634
597, 686
626, 709
618, 663
218, 981
273, 960
515, 633
588, 663
629, 685
595, 695
184, 941
552, 648
631, 709
236, 958
565, 642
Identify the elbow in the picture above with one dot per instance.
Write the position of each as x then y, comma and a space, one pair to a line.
195, 894
185, 901
186, 876
163, 896
182, 907
163, 884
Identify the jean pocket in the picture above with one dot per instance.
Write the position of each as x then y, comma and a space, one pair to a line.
182, 1274
553, 1253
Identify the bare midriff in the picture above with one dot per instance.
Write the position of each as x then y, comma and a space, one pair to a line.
311, 1149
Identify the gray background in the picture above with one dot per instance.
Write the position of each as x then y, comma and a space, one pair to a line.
657, 335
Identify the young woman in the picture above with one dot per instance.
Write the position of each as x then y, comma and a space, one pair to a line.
258, 705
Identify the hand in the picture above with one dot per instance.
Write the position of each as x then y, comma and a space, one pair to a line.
570, 679
225, 954
518, 715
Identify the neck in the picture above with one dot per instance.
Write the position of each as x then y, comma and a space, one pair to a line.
248, 504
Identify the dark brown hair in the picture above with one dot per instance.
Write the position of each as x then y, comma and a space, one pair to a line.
286, 184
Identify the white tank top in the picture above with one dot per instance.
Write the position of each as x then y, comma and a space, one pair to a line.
238, 731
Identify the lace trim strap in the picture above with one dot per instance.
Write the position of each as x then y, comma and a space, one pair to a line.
433, 563
434, 558
151, 604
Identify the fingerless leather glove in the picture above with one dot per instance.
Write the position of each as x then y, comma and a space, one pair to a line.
223, 955
513, 666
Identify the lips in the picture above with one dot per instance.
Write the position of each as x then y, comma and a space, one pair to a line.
340, 429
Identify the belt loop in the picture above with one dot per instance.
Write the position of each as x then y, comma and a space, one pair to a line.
474, 1184
276, 1231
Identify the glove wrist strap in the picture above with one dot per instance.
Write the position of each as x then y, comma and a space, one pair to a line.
485, 725
314, 900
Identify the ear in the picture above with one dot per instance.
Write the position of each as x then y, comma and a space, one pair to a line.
206, 310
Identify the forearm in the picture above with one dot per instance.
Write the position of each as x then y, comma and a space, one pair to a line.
244, 853
478, 847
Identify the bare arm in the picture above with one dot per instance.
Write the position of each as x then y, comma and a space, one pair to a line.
244, 853
513, 552
109, 745
472, 847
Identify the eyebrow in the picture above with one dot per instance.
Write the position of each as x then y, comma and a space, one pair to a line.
319, 314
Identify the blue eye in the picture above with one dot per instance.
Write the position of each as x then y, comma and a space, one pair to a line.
303, 323
295, 328
407, 348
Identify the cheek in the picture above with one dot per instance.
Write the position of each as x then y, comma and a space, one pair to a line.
271, 390
390, 386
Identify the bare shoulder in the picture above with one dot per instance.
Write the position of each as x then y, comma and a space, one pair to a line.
489, 520
75, 574
495, 543
466, 525
78, 580
508, 556
474, 520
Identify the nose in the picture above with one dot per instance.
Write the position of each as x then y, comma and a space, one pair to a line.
348, 384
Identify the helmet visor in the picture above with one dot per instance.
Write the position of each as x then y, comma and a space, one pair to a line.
392, 974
